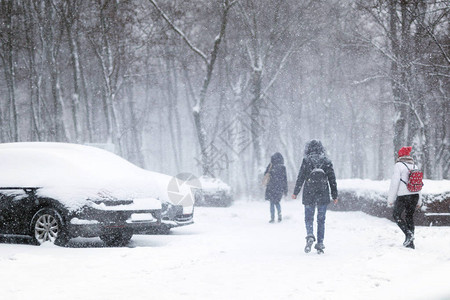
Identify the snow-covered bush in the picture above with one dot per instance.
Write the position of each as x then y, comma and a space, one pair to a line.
371, 197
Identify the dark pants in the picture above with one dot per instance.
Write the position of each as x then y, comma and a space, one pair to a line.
272, 209
408, 205
309, 220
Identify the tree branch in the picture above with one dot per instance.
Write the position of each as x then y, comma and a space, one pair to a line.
179, 32
213, 55
281, 65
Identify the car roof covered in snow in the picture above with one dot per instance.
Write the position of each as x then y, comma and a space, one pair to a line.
72, 173
210, 184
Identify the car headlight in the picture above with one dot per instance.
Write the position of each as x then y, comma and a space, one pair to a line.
165, 207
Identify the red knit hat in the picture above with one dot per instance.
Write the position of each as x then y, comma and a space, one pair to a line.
404, 151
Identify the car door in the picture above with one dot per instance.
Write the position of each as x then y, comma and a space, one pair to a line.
12, 211
5, 211
2, 212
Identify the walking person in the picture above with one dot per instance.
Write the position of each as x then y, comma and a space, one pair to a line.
275, 180
316, 176
403, 197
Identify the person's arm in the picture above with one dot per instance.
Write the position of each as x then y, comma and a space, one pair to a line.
268, 168
300, 179
285, 184
395, 183
332, 181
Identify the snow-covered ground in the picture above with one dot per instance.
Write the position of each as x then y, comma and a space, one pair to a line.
234, 253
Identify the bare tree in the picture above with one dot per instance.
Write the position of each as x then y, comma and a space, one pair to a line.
69, 12
359, 75
410, 29
209, 62
51, 36
271, 33
34, 76
8, 59
108, 38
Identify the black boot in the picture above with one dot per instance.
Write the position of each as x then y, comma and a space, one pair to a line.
279, 218
310, 239
319, 247
409, 238
411, 245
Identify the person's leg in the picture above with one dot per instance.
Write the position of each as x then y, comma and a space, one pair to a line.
410, 208
399, 207
272, 211
321, 214
278, 206
309, 220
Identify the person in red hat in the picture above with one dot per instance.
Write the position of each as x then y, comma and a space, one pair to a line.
401, 198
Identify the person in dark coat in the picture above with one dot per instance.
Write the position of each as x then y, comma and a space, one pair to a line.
316, 176
277, 184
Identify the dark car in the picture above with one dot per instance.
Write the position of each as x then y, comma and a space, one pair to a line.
54, 191
213, 192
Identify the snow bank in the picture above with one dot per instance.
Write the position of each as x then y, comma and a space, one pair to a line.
382, 186
370, 197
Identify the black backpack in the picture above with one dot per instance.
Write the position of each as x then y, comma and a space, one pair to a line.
317, 179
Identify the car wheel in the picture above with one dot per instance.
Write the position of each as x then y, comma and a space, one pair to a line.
116, 237
47, 226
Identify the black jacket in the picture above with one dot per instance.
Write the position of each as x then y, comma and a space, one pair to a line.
277, 185
315, 157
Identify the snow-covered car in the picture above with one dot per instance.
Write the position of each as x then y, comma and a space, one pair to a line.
213, 192
177, 200
57, 191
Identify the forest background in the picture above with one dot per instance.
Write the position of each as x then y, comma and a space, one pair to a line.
216, 87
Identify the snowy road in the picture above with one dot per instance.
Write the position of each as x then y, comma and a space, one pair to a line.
233, 253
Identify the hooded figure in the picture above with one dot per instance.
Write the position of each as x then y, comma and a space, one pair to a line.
315, 158
277, 185
316, 176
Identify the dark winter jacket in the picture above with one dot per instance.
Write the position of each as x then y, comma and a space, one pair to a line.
277, 185
315, 158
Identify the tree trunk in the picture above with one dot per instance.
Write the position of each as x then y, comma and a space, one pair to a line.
7, 56
381, 139
170, 95
85, 96
51, 49
197, 111
109, 68
179, 136
76, 83
33, 81
136, 142
255, 117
